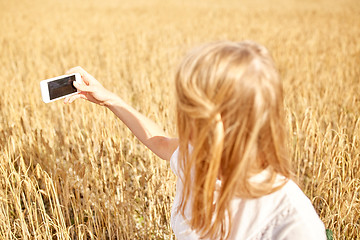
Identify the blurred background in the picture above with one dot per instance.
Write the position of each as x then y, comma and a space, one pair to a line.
75, 171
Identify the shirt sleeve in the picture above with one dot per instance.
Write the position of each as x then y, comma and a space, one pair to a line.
300, 229
174, 165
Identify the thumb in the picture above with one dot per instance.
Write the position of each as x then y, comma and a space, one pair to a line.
82, 87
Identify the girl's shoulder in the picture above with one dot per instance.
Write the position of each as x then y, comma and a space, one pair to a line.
284, 214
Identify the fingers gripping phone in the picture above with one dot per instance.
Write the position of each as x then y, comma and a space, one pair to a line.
59, 87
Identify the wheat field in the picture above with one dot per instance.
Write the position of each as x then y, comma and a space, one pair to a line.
76, 172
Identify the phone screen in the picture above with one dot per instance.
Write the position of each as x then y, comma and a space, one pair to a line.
61, 87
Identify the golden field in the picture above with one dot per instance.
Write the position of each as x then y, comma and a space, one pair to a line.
76, 172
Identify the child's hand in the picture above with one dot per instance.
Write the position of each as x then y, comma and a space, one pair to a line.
90, 89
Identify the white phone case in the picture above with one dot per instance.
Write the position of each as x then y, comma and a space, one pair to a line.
46, 89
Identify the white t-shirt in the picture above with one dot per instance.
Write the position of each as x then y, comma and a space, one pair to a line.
284, 214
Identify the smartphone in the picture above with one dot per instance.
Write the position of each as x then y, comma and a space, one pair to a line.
59, 87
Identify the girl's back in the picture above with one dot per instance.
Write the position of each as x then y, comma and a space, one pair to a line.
284, 214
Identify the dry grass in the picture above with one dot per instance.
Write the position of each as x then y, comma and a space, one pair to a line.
76, 171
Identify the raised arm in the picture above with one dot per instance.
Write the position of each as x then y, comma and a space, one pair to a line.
149, 133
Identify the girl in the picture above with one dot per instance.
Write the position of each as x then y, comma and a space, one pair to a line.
234, 177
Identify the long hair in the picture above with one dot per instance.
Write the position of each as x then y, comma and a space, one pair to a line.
230, 113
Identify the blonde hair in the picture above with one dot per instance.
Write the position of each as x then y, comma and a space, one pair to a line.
230, 111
